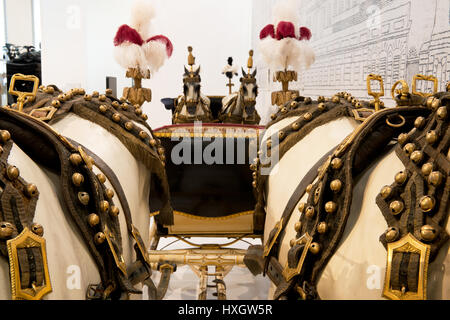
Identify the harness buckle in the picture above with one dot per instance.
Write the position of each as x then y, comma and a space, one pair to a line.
289, 273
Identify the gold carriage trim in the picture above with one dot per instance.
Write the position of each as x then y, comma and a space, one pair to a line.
250, 133
191, 216
27, 239
289, 273
408, 244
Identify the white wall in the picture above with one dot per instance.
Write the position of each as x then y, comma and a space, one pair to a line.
19, 22
77, 44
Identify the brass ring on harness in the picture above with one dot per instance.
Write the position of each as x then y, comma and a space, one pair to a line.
394, 125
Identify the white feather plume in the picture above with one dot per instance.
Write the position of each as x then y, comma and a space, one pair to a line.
142, 14
155, 55
287, 10
128, 55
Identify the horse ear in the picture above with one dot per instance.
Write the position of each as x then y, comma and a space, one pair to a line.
197, 71
186, 72
254, 73
243, 73
241, 79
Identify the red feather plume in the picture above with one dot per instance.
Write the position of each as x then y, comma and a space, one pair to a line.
285, 30
305, 33
126, 33
268, 30
166, 41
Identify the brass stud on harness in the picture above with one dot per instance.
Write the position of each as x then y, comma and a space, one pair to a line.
386, 192
273, 116
396, 207
281, 135
321, 106
402, 138
297, 226
427, 203
428, 233
435, 178
309, 188
322, 228
416, 157
129, 125
104, 206
138, 111
99, 238
427, 168
144, 117
391, 234
420, 122
336, 163
431, 137
31, 190
87, 97
77, 179
102, 98
330, 207
114, 211
93, 219
321, 99
442, 113
335, 99
307, 116
314, 248
12, 172
294, 104
435, 104
295, 126
308, 100
124, 106
75, 159
152, 142
83, 197
37, 229
109, 193
115, 104
336, 185
116, 117
95, 94
6, 230
301, 207
102, 108
56, 103
101, 177
5, 135
143, 135
409, 148
310, 212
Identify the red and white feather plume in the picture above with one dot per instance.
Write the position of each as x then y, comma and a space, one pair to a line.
284, 44
135, 47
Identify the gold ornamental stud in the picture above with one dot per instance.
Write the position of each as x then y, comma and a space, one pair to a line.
391, 234
314, 248
386, 192
143, 135
56, 103
409, 148
435, 178
152, 142
87, 97
283, 110
102, 108
93, 219
427, 203
336, 185
122, 99
294, 104
402, 138
309, 188
254, 184
116, 117
310, 212
442, 113
428, 233
330, 207
335, 99
129, 125
336, 163
301, 207
358, 105
321, 106
322, 228
321, 99
101, 177
435, 104
281, 135
109, 193
273, 116
308, 100
102, 98
297, 226
416, 156
396, 207
114, 211
431, 137
95, 94
5, 135
99, 238
31, 190
115, 104
295, 126
427, 168
307, 116
37, 229
429, 101
138, 111
83, 197
144, 117
77, 179
12, 172
420, 122
104, 206
124, 106
75, 159
6, 230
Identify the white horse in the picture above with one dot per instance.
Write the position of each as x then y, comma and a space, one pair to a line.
71, 266
357, 268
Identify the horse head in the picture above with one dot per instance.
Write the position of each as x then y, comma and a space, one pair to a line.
191, 87
249, 88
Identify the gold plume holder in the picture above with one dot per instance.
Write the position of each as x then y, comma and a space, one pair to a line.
250, 61
279, 98
136, 94
191, 59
